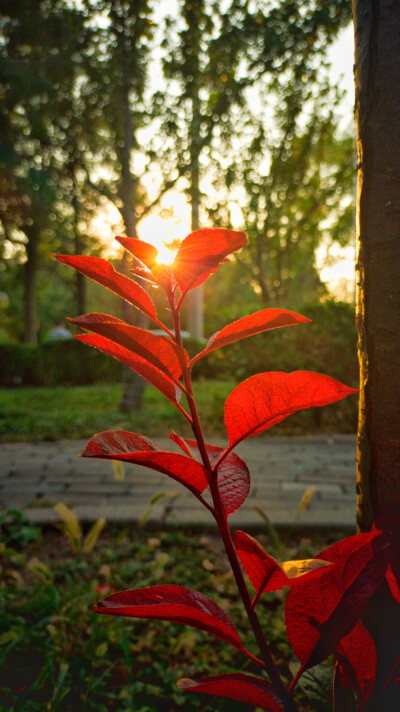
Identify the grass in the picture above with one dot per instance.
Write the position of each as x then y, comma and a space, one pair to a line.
61, 413
58, 656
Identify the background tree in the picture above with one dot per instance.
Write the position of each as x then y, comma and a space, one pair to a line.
225, 62
39, 43
293, 179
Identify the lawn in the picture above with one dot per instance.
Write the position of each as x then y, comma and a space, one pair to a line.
74, 412
45, 413
57, 655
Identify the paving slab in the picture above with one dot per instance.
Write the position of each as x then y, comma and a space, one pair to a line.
35, 476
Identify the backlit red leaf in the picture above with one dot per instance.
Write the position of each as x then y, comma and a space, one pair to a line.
176, 604
233, 475
320, 612
393, 583
263, 320
132, 447
104, 273
137, 364
267, 574
143, 251
237, 686
267, 398
157, 350
357, 660
201, 253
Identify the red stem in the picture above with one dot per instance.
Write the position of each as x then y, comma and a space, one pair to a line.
222, 522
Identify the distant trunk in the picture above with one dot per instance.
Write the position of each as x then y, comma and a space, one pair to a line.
195, 299
80, 280
134, 385
377, 81
31, 325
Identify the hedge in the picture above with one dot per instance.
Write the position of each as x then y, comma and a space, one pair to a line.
56, 363
327, 345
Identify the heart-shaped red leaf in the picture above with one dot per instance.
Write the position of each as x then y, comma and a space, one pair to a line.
237, 686
176, 604
267, 398
263, 320
320, 612
132, 447
232, 475
159, 351
201, 253
357, 660
267, 574
144, 252
157, 379
104, 273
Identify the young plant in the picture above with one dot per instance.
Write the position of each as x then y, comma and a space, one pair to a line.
327, 594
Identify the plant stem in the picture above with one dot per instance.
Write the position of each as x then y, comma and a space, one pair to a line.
222, 522
270, 666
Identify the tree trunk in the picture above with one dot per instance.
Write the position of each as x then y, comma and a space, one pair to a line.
195, 298
31, 325
80, 280
377, 112
134, 385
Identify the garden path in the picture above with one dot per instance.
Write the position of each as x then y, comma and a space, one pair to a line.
35, 476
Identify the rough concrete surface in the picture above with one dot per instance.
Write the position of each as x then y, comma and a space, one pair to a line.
35, 476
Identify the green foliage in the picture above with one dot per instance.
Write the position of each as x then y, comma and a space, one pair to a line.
16, 529
57, 413
55, 363
58, 655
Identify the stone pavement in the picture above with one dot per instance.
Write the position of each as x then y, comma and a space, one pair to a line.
33, 477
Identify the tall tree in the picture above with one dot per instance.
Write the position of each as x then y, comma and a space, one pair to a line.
115, 86
377, 81
41, 41
377, 112
208, 86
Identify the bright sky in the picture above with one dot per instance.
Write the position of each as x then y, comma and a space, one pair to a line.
337, 264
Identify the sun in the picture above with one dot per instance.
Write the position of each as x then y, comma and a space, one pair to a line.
166, 229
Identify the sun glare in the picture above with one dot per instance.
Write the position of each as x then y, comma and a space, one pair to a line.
167, 229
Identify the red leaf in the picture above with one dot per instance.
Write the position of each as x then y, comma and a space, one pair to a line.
157, 350
320, 612
232, 475
263, 320
267, 398
393, 584
237, 686
104, 273
143, 251
201, 253
132, 447
266, 574
357, 660
137, 364
176, 604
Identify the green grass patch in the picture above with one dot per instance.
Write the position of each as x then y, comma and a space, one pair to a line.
36, 413
56, 654
62, 413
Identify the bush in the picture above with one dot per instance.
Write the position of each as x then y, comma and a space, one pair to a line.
327, 345
54, 363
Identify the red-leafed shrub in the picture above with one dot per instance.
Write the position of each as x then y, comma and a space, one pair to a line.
329, 594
